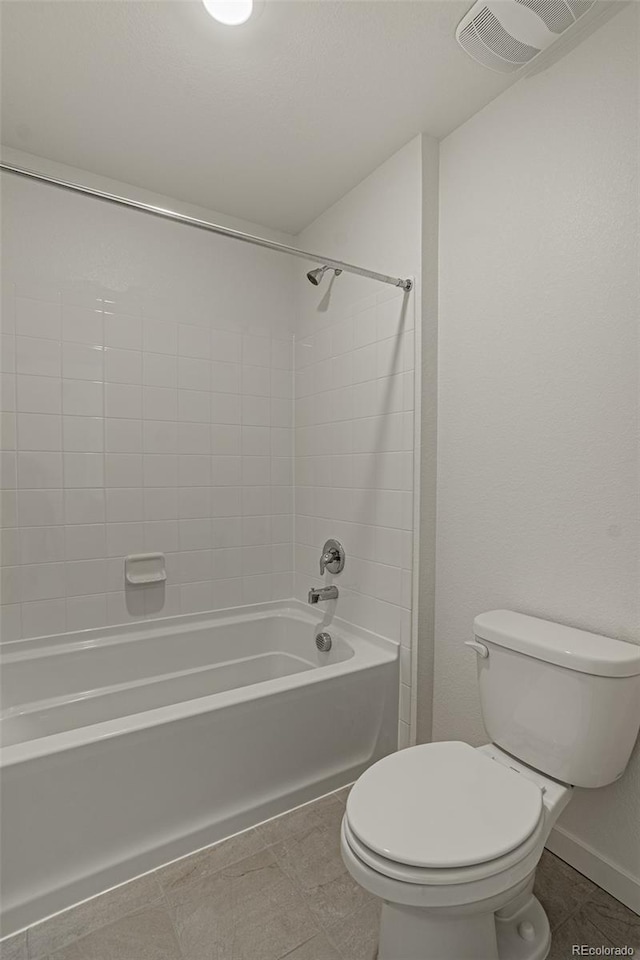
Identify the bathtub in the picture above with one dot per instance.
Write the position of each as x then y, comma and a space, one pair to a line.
125, 748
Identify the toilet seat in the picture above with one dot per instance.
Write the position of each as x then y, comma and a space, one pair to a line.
441, 806
438, 877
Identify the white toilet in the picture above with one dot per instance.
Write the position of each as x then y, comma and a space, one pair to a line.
449, 836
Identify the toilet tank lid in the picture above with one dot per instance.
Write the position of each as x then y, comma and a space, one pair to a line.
555, 643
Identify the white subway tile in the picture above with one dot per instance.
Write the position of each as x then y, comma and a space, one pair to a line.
122, 366
85, 541
160, 469
161, 536
194, 341
83, 434
256, 589
196, 597
37, 470
160, 337
256, 412
195, 502
7, 392
159, 403
256, 470
161, 503
84, 506
11, 584
86, 577
225, 377
41, 544
194, 374
225, 502
194, 438
226, 346
227, 593
194, 565
161, 436
38, 357
122, 331
7, 353
256, 441
38, 394
226, 532
123, 470
9, 546
41, 581
125, 606
256, 501
80, 361
256, 530
44, 617
82, 398
39, 431
159, 370
124, 400
10, 622
256, 560
124, 504
124, 538
195, 534
225, 440
84, 469
84, 613
194, 470
123, 436
37, 318
227, 563
282, 354
194, 405
256, 381
256, 350
82, 324
37, 507
226, 408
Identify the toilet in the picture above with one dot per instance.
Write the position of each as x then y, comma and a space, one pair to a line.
449, 835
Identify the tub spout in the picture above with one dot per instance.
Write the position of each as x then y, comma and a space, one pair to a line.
322, 593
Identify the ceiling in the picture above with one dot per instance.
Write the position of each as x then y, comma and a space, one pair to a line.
272, 121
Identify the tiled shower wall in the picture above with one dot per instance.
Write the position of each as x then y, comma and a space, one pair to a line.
354, 416
125, 431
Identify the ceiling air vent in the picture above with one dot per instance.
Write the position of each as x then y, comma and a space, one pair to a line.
505, 35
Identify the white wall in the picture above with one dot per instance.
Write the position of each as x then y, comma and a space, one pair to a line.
355, 345
147, 405
538, 381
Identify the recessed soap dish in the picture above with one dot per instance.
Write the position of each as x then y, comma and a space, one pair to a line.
140, 568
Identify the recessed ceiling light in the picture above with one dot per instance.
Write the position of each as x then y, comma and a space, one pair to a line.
230, 12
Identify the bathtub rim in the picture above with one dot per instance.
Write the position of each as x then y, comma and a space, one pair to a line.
370, 650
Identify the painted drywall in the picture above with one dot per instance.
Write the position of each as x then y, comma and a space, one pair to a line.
355, 347
147, 405
538, 382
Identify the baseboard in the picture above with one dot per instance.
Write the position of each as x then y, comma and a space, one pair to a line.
607, 875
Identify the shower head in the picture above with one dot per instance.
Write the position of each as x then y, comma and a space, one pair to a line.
315, 276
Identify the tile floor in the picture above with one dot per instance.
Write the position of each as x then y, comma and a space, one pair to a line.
281, 891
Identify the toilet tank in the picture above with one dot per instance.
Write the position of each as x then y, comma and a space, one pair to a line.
562, 700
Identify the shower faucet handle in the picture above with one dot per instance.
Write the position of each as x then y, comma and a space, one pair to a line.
333, 557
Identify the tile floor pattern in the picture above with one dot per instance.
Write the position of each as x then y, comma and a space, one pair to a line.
281, 891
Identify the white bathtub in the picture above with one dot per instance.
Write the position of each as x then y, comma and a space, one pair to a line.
126, 748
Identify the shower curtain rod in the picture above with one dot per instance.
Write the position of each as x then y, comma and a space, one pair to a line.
406, 285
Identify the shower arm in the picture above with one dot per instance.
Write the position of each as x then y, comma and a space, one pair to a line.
164, 214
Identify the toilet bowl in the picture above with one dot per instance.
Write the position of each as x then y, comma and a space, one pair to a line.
468, 831
449, 836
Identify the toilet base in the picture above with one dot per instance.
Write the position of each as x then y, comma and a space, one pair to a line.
413, 933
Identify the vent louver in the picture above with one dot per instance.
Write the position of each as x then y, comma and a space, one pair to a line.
505, 35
